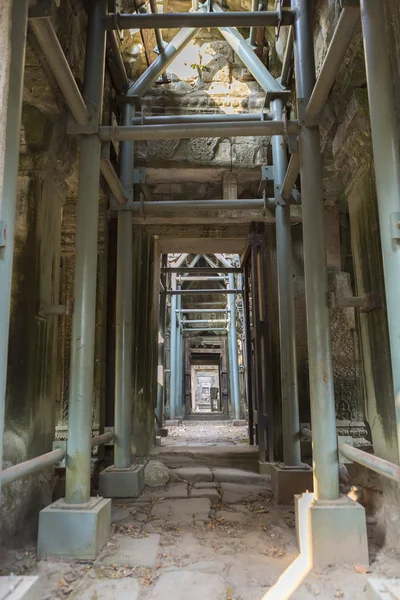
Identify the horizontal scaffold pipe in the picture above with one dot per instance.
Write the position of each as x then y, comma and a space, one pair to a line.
202, 118
204, 310
159, 206
370, 461
35, 465
30, 467
190, 329
104, 438
201, 291
198, 20
198, 270
205, 278
197, 130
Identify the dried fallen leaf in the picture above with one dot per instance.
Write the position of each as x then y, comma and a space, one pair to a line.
361, 569
339, 594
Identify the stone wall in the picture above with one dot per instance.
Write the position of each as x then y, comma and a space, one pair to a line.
350, 184
38, 361
5, 53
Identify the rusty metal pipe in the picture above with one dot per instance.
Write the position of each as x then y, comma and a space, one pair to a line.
102, 439
30, 467
370, 461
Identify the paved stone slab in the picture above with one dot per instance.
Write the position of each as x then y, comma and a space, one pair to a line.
194, 473
239, 422
119, 514
188, 585
131, 552
211, 494
109, 589
205, 485
233, 517
238, 476
183, 512
236, 492
174, 490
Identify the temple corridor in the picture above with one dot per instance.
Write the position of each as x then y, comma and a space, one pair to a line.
199, 299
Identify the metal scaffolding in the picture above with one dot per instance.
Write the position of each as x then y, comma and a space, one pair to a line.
312, 94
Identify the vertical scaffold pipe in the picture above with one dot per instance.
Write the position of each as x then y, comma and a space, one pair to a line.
83, 320
161, 349
179, 358
8, 200
173, 355
287, 330
385, 142
322, 400
234, 350
124, 313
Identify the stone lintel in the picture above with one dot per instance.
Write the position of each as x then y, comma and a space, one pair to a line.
122, 483
74, 531
337, 532
286, 482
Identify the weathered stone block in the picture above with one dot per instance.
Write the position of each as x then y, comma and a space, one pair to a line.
156, 473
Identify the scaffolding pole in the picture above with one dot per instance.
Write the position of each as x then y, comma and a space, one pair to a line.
287, 328
78, 472
234, 350
161, 347
322, 400
124, 313
173, 354
8, 200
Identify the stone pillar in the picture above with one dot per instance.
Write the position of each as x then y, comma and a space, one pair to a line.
145, 327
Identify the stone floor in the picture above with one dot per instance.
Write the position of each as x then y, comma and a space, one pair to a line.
206, 433
206, 535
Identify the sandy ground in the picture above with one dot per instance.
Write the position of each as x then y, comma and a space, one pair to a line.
209, 433
183, 549
198, 541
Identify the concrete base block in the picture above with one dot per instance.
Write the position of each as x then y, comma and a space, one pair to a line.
239, 422
122, 483
77, 531
158, 440
383, 589
15, 587
286, 482
337, 532
173, 422
264, 468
